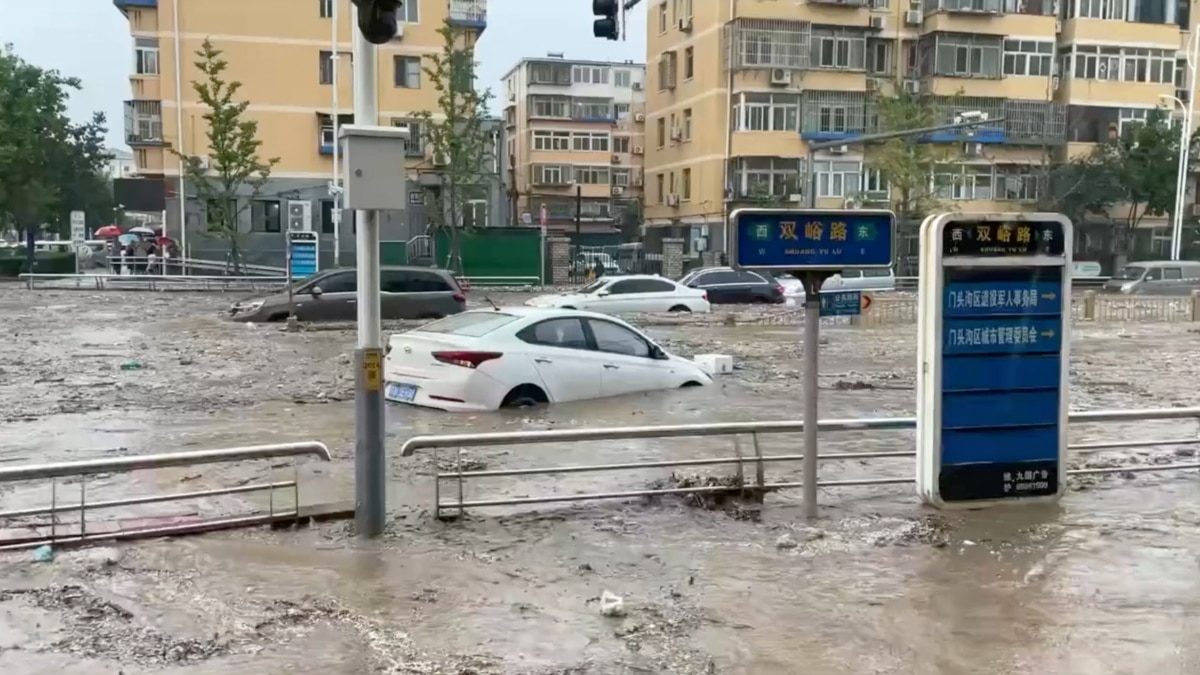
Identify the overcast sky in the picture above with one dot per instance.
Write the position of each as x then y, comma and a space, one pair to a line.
89, 39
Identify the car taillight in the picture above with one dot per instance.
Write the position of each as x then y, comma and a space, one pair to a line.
466, 359
779, 290
705, 296
459, 297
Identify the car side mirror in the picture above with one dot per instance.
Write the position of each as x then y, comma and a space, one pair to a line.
657, 353
316, 291
602, 293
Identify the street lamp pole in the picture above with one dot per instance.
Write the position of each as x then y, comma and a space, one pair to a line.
1185, 145
1180, 175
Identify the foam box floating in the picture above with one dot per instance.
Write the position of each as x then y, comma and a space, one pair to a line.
717, 364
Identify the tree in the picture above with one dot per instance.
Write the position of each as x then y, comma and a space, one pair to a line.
1077, 188
459, 136
908, 164
1143, 161
49, 165
231, 174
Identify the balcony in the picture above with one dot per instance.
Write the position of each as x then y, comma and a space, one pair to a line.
124, 5
143, 123
469, 14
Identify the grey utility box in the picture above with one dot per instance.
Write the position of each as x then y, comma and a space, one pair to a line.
373, 174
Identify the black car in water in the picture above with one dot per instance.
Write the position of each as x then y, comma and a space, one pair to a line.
727, 286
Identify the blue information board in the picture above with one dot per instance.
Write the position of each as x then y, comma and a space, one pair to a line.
302, 254
811, 239
1001, 370
841, 303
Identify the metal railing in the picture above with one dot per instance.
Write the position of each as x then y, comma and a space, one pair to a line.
756, 460
153, 282
81, 470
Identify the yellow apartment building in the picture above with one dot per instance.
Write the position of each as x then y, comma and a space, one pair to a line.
738, 89
575, 134
282, 52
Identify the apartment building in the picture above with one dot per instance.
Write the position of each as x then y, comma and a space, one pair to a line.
575, 141
282, 52
740, 88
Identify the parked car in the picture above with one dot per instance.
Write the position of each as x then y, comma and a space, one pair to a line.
1156, 277
524, 356
331, 295
630, 293
851, 279
726, 285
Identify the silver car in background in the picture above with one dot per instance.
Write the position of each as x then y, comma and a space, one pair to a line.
1156, 277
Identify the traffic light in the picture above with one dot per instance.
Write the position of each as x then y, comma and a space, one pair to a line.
606, 25
377, 19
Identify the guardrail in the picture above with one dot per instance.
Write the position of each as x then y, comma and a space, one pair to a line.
501, 281
153, 282
757, 460
37, 532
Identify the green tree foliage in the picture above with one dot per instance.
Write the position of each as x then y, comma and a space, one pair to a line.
907, 163
459, 137
1142, 162
49, 166
1077, 188
231, 174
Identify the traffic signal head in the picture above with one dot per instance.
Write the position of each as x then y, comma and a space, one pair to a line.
606, 25
377, 19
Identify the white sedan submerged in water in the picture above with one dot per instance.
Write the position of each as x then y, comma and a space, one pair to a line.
522, 356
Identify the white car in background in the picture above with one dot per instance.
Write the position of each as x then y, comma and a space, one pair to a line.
520, 356
628, 294
871, 280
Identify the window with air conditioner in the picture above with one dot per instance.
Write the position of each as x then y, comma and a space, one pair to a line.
620, 177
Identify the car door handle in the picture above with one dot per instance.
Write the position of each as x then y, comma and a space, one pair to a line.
611, 366
542, 361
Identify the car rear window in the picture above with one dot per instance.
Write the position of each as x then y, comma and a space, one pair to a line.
469, 324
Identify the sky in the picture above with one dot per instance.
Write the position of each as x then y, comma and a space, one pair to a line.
89, 39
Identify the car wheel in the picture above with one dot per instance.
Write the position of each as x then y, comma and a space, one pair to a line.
689, 384
758, 300
430, 317
525, 396
277, 317
680, 308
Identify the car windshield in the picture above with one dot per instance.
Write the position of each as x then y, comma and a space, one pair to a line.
594, 286
469, 324
1130, 273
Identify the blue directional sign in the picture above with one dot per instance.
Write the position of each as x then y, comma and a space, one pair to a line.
992, 429
302, 254
811, 239
841, 303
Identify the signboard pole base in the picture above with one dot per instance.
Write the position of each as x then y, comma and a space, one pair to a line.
812, 280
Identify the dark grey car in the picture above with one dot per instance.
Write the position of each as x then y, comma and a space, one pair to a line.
331, 295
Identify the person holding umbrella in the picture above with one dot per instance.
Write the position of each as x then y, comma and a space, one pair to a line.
113, 249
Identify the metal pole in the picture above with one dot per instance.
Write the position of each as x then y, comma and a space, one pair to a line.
370, 508
336, 216
578, 212
812, 336
811, 198
1193, 55
1180, 175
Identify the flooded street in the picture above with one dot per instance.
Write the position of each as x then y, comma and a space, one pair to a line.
1106, 583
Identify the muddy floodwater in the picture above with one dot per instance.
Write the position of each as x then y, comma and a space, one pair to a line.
1108, 582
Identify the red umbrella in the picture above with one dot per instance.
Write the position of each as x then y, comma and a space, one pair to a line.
108, 232
164, 241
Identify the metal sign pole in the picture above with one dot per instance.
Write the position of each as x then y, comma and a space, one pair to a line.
813, 244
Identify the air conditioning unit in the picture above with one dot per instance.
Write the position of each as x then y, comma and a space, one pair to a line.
781, 76
637, 86
913, 18
639, 118
1054, 82
1057, 26
672, 200
299, 216
912, 86
839, 149
439, 159
872, 84
617, 191
685, 24
639, 150
203, 162
973, 149
878, 22
795, 199
676, 134
635, 181
616, 159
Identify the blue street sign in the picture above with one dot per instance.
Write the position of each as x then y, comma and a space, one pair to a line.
993, 426
302, 254
841, 303
813, 239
